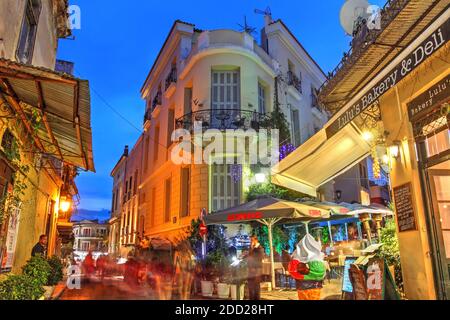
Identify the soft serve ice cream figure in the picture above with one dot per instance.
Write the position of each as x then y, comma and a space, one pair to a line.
308, 268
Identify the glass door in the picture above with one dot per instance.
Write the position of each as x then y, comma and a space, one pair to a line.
439, 181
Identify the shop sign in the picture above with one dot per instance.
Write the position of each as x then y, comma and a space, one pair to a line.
245, 216
437, 94
404, 210
11, 240
434, 42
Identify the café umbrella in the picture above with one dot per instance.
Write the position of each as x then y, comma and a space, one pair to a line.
268, 211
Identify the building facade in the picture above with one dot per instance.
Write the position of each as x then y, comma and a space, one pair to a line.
38, 162
225, 80
90, 236
397, 95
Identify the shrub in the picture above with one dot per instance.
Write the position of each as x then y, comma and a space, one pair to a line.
20, 287
38, 269
56, 271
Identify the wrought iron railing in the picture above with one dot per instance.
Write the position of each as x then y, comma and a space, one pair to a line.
224, 119
157, 100
294, 81
147, 115
171, 78
363, 37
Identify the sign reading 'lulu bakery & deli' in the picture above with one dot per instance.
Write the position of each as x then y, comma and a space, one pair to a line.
427, 101
435, 41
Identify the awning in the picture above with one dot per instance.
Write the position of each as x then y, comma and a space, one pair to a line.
319, 160
63, 103
267, 208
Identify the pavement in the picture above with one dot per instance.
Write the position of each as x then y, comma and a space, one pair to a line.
113, 288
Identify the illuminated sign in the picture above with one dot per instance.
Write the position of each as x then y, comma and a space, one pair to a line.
245, 216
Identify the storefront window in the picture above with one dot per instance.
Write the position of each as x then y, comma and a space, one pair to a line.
442, 185
438, 143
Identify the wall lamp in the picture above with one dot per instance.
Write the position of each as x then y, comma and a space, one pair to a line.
394, 150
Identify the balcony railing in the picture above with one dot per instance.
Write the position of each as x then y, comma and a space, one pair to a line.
171, 78
157, 100
294, 81
224, 119
147, 115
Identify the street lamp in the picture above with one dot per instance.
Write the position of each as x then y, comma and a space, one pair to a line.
64, 204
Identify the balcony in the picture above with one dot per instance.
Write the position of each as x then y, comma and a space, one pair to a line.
224, 119
157, 100
147, 116
294, 81
171, 81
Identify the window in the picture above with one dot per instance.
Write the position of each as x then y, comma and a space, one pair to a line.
170, 126
86, 232
113, 202
296, 127
314, 102
167, 192
153, 208
147, 144
28, 32
85, 246
185, 191
135, 182
156, 144
261, 98
225, 90
187, 100
226, 193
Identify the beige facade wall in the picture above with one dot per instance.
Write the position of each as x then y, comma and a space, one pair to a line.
11, 13
414, 245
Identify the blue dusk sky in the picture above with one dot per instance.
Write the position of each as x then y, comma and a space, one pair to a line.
119, 40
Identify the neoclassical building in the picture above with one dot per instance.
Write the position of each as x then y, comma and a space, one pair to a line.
226, 80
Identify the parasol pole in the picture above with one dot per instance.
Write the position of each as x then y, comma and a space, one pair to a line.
306, 227
270, 223
331, 235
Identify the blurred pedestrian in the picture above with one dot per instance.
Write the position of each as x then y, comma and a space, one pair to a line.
254, 263
89, 265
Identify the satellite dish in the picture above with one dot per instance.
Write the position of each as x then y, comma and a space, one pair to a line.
352, 12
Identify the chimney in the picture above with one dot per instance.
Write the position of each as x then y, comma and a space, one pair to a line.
125, 151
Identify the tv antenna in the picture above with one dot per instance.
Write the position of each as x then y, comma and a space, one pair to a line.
266, 13
247, 28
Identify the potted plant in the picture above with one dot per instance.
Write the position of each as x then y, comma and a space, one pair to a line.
20, 287
223, 287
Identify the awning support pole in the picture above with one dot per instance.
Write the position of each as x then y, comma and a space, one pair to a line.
331, 235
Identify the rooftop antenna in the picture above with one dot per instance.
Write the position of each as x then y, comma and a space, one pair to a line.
247, 28
267, 15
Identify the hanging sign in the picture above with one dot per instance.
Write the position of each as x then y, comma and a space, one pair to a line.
434, 96
429, 46
11, 240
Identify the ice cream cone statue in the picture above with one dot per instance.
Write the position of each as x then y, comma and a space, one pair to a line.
307, 267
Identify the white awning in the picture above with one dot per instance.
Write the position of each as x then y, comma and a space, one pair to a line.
319, 160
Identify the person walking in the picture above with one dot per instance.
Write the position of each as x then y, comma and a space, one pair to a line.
40, 248
254, 263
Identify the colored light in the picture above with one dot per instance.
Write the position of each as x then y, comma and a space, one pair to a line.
64, 204
385, 159
394, 150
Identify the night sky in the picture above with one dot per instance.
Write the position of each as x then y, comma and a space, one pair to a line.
117, 45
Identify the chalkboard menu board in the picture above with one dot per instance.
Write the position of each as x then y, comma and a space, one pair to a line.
406, 219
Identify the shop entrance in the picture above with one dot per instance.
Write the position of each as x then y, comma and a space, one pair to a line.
438, 180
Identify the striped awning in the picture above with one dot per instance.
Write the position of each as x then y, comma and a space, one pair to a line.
62, 101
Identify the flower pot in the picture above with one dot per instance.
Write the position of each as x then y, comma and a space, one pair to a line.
207, 288
234, 291
223, 290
